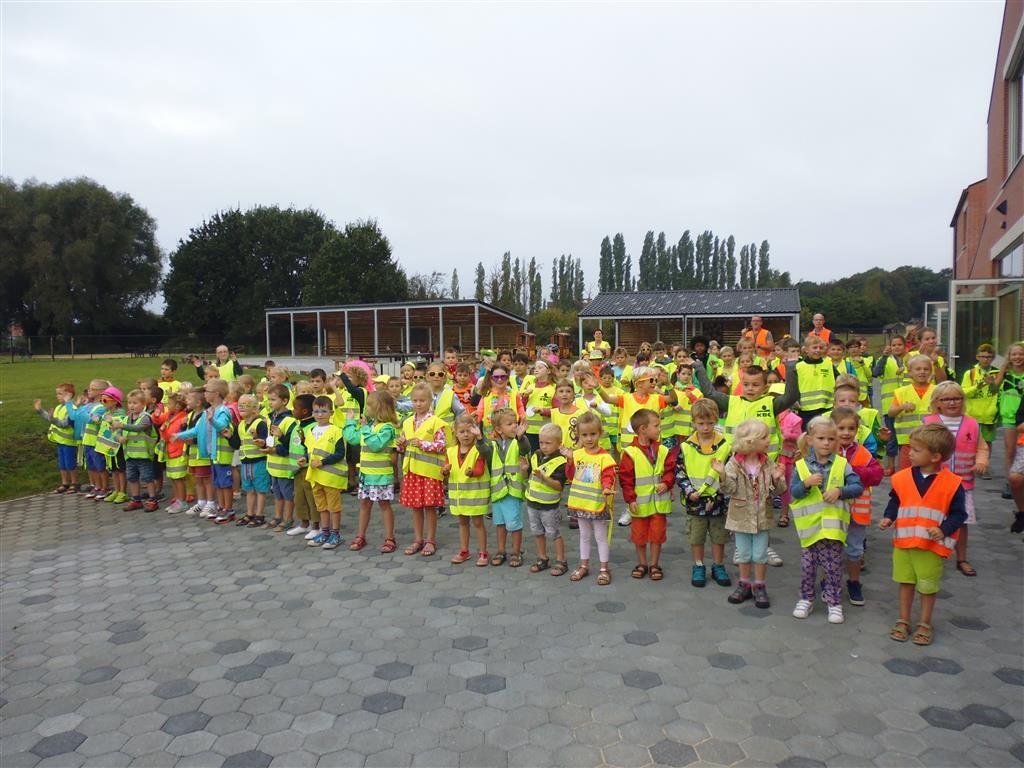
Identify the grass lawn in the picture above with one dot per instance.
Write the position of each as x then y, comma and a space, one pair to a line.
28, 461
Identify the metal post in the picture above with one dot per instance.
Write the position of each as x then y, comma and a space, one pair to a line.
657, 330
319, 334
492, 337
266, 319
460, 337
346, 345
72, 347
476, 327
291, 321
51, 349
952, 324
440, 324
376, 345
616, 333
408, 335
580, 321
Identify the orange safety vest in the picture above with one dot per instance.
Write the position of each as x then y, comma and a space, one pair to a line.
760, 338
917, 514
860, 508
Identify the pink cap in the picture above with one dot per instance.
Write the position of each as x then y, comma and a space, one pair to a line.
114, 393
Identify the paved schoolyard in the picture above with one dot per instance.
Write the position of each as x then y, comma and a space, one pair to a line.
151, 640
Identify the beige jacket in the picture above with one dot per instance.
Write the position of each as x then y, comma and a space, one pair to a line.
750, 512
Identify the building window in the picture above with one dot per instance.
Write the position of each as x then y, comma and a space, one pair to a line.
1015, 113
1011, 263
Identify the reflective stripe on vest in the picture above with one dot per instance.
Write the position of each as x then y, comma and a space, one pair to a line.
647, 477
139, 445
908, 422
536, 490
698, 465
418, 461
331, 475
285, 466
817, 382
815, 519
586, 491
965, 454
247, 436
467, 495
631, 405
982, 403
860, 508
506, 476
892, 379
540, 397
375, 463
61, 435
177, 467
106, 441
917, 514
762, 409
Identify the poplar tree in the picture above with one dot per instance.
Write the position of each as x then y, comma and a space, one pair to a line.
730, 262
716, 266
648, 263
455, 284
744, 266
481, 277
619, 259
687, 268
663, 272
764, 268
606, 268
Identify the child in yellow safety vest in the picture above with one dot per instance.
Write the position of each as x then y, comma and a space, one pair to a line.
926, 508
469, 489
610, 422
911, 403
138, 435
590, 471
255, 480
821, 487
687, 393
424, 444
871, 434
507, 456
61, 432
848, 426
327, 473
376, 432
544, 497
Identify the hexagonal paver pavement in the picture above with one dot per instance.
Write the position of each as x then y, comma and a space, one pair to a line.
485, 683
57, 744
640, 678
382, 703
667, 752
639, 637
393, 670
185, 722
469, 643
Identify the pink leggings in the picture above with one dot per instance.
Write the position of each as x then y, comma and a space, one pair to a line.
599, 530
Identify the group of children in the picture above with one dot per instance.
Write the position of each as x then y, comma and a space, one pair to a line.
519, 442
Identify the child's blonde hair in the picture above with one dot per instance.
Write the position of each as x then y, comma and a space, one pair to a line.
839, 415
705, 408
818, 422
500, 415
212, 370
848, 381
935, 438
235, 391
747, 434
357, 375
248, 399
176, 399
465, 420
135, 394
380, 407
552, 431
303, 388
423, 389
220, 386
589, 417
919, 359
945, 389
247, 383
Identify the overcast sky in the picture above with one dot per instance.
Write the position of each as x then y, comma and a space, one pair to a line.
843, 134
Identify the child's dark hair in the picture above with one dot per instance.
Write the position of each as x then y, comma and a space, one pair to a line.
281, 391
318, 373
756, 370
322, 401
607, 370
520, 357
641, 419
836, 342
463, 368
841, 414
591, 418
171, 363
305, 402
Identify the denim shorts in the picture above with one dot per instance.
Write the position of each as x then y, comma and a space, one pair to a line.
544, 522
139, 470
283, 488
255, 477
222, 477
508, 511
67, 457
752, 547
94, 461
855, 536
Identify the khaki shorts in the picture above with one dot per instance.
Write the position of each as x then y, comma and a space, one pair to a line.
305, 504
327, 499
698, 529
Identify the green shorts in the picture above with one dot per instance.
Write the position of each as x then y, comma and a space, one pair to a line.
699, 528
917, 566
989, 432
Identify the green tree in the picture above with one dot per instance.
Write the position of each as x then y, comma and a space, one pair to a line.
606, 267
351, 267
479, 292
579, 285
536, 288
730, 262
455, 284
687, 267
752, 266
764, 267
548, 321
620, 263
662, 272
429, 286
504, 299
716, 266
647, 264
744, 267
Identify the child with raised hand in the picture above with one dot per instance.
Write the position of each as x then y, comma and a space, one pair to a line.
173, 421
610, 422
647, 471
871, 434
699, 486
326, 472
349, 406
255, 481
82, 414
687, 394
377, 431
969, 458
469, 489
589, 397
822, 483
928, 509
424, 444
284, 449
139, 439
544, 497
750, 478
538, 393
61, 433
981, 393
199, 467
848, 427
590, 472
565, 412
911, 403
509, 462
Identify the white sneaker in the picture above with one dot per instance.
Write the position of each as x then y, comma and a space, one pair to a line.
625, 519
313, 533
835, 614
296, 530
773, 558
210, 510
175, 507
803, 609
195, 509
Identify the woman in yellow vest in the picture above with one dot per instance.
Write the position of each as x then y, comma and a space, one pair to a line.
62, 434
469, 489
591, 476
911, 403
376, 433
424, 444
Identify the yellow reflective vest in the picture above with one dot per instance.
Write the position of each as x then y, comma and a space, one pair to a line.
469, 496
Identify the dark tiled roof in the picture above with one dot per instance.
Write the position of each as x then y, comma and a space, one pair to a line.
678, 303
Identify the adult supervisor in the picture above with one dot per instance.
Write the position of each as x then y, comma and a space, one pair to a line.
757, 333
818, 328
599, 343
227, 363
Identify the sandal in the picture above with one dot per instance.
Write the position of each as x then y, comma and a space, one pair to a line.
783, 521
256, 522
542, 564
923, 634
498, 559
389, 546
73, 489
429, 548
581, 572
604, 577
482, 560
461, 557
246, 519
357, 543
966, 568
60, 489
560, 569
900, 631
656, 573
639, 572
413, 548
515, 560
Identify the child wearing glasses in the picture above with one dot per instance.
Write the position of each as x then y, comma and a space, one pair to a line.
970, 454
495, 392
326, 472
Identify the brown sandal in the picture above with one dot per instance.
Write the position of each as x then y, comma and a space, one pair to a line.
656, 573
604, 577
560, 568
389, 546
966, 568
924, 634
581, 572
515, 560
413, 548
900, 631
639, 572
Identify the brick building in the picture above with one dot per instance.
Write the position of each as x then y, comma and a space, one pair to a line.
988, 221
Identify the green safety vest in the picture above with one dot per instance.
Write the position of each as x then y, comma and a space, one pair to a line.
375, 463
467, 495
817, 382
287, 466
892, 379
813, 518
762, 409
247, 436
536, 490
61, 435
982, 400
647, 477
139, 445
330, 475
698, 465
506, 477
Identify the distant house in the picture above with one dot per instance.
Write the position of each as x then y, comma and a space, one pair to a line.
629, 318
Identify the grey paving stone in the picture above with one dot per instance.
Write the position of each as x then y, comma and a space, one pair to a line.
469, 643
36, 599
905, 667
380, 703
273, 658
985, 715
720, 751
1017, 750
125, 626
639, 678
969, 622
175, 688
639, 637
443, 602
941, 717
408, 578
394, 670
98, 675
245, 672
186, 722
123, 638
610, 606
254, 758
942, 666
474, 602
726, 661
801, 762
1010, 675
227, 647
57, 744
485, 683
673, 753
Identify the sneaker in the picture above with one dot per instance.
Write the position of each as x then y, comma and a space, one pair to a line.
195, 509
741, 594
803, 609
441, 511
319, 540
227, 517
333, 541
175, 507
835, 614
624, 519
90, 495
761, 596
101, 496
856, 593
312, 534
150, 505
207, 510
773, 558
1018, 523
300, 528
720, 575
698, 576
132, 505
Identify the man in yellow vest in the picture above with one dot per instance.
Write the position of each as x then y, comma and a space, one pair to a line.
598, 343
226, 362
